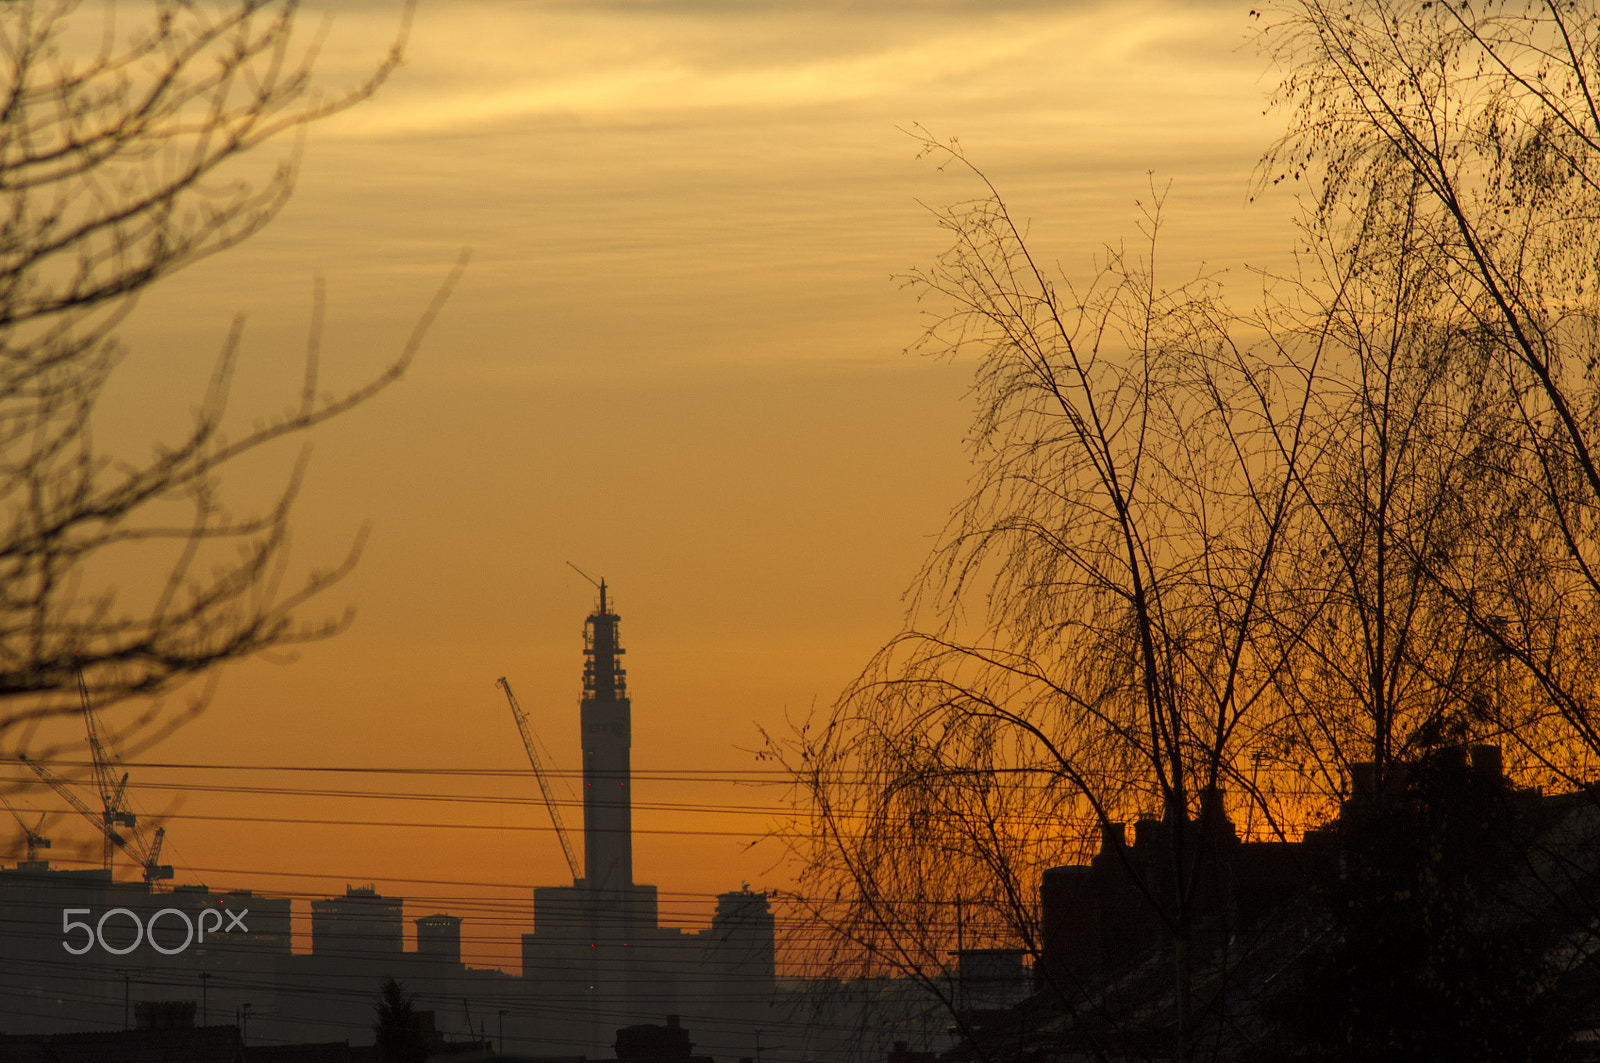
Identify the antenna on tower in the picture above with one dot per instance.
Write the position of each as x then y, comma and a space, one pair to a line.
600, 583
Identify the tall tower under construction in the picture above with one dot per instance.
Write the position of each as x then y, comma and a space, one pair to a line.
597, 953
596, 936
607, 727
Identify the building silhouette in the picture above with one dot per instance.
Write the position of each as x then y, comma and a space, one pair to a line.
652, 1043
738, 950
439, 938
360, 924
586, 935
1440, 879
599, 940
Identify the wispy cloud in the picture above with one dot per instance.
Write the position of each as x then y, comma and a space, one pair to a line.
487, 62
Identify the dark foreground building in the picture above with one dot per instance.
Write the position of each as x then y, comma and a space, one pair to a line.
1445, 914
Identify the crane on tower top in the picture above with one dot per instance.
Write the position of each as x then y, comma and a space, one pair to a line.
531, 745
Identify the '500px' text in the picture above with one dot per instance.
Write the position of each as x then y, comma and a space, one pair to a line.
96, 934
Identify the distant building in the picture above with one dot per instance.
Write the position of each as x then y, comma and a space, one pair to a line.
439, 938
361, 924
266, 920
740, 947
236, 938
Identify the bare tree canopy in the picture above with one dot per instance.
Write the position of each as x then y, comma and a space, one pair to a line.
1216, 563
122, 135
1470, 134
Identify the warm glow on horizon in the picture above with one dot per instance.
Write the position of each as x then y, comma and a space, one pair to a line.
677, 357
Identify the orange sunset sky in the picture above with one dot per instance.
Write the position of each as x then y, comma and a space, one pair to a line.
677, 359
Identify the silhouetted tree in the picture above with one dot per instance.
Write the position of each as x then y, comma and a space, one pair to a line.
1450, 152
1189, 556
121, 139
1408, 478
1082, 650
400, 1037
1355, 530
1473, 130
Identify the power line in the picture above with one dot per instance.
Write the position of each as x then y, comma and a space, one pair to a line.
488, 799
763, 776
520, 828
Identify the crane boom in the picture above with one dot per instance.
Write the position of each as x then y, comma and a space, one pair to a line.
134, 847
114, 799
59, 785
105, 776
530, 745
154, 870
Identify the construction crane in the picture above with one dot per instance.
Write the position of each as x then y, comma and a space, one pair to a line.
530, 744
112, 838
113, 798
154, 869
148, 860
36, 841
112, 790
